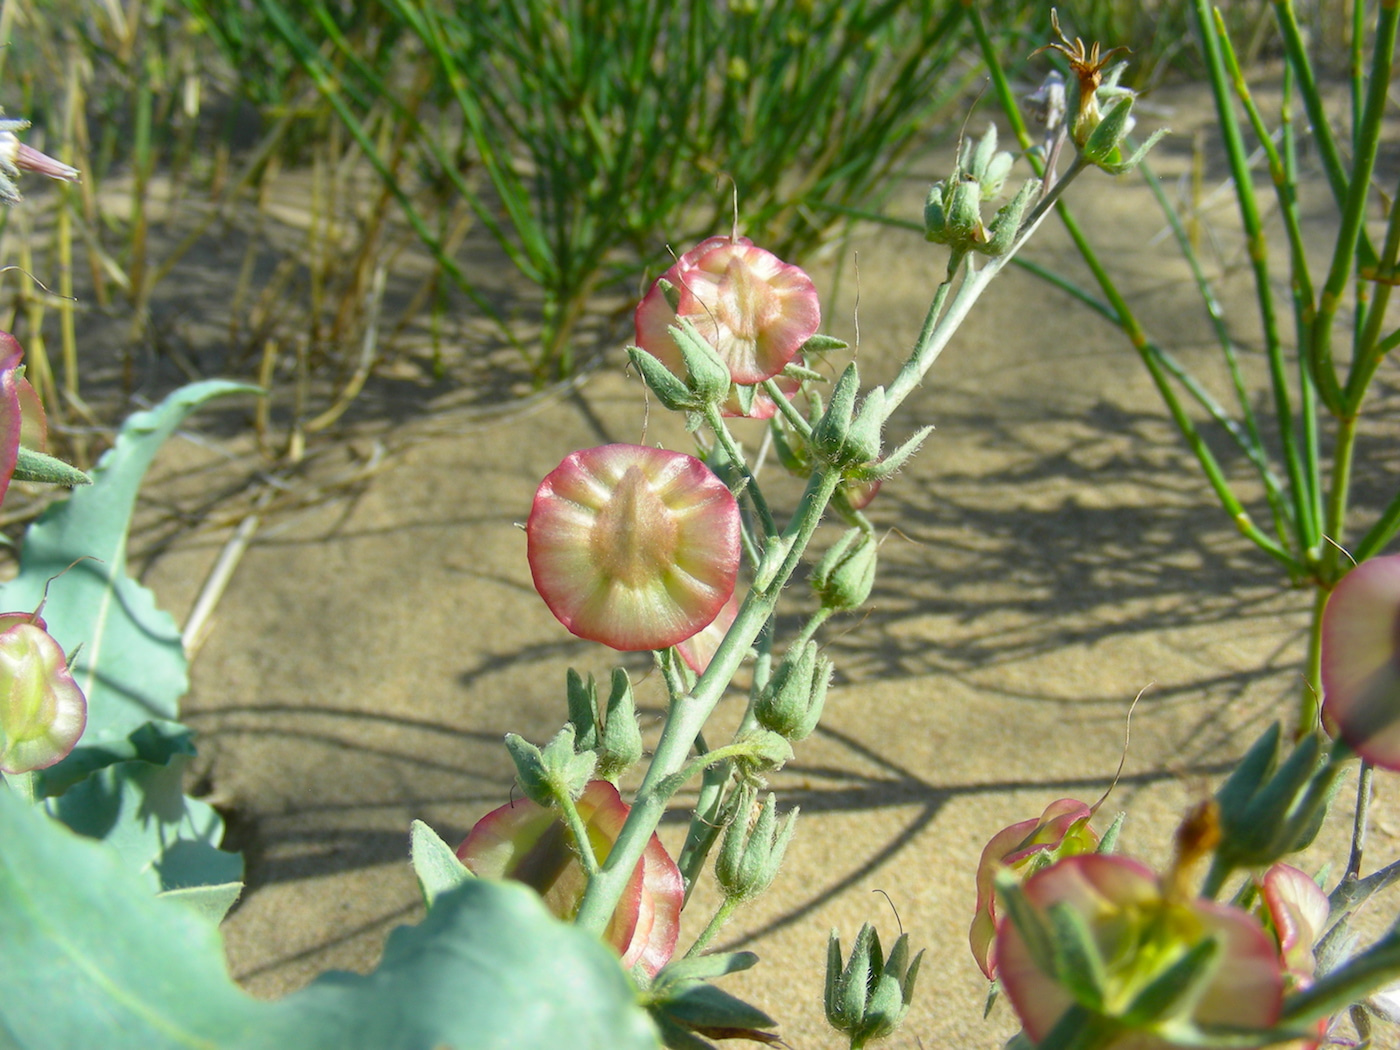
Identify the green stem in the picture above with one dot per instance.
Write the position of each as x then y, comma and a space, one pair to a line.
1284, 179
688, 713
750, 488
938, 326
810, 629
25, 785
788, 409
1150, 354
1310, 706
1380, 533
705, 822
1350, 895
1215, 878
579, 830
1343, 456
1364, 780
1372, 969
717, 920
1370, 348
940, 296
1146, 350
706, 760
1345, 252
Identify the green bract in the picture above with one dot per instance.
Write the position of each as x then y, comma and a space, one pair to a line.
1097, 934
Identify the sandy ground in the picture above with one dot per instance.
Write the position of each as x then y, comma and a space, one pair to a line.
1050, 554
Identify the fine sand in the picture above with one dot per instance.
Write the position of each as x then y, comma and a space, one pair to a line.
1051, 554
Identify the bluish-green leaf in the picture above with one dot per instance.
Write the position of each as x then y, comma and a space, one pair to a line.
211, 902
434, 862
141, 811
702, 968
132, 665
93, 959
705, 1006
154, 741
488, 969
38, 466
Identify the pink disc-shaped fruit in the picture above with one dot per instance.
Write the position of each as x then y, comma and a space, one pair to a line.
1361, 660
634, 547
528, 843
752, 307
42, 710
699, 649
11, 403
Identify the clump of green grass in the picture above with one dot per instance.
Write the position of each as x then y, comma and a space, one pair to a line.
442, 144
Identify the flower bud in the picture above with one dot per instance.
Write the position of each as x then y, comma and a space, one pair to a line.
763, 751
844, 577
549, 773
1269, 809
964, 225
953, 210
869, 997
622, 736
669, 390
863, 439
749, 856
791, 703
831, 431
791, 450
989, 167
1103, 148
936, 213
1007, 224
42, 710
582, 696
708, 375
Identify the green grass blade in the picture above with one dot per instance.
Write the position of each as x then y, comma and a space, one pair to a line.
1246, 433
330, 90
1347, 250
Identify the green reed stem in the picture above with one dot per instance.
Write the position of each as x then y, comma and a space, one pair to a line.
1301, 466
1345, 253
1310, 702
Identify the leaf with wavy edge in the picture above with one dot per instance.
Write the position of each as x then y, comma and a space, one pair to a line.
140, 810
93, 959
132, 664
